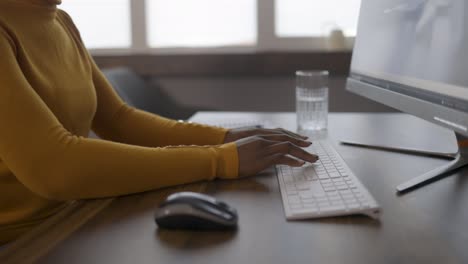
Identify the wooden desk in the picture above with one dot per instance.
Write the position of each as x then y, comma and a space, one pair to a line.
427, 225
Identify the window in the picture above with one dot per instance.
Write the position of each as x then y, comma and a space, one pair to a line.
201, 23
314, 18
102, 23
148, 26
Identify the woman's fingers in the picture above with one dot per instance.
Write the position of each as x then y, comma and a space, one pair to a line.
285, 148
288, 160
286, 138
291, 133
281, 131
259, 152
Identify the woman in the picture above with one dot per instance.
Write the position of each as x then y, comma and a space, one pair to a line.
52, 94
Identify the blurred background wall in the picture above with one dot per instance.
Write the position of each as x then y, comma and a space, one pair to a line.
222, 54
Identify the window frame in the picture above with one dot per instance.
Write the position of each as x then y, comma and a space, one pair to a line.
267, 40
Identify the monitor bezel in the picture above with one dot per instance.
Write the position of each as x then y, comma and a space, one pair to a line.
384, 92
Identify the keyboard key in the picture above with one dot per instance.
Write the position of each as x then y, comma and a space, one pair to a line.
307, 200
353, 205
296, 206
337, 202
333, 208
287, 179
350, 200
365, 205
321, 199
299, 178
323, 176
309, 177
303, 186
305, 194
294, 199
344, 192
319, 195
316, 188
323, 204
334, 198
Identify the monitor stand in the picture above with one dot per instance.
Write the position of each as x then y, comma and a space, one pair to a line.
459, 160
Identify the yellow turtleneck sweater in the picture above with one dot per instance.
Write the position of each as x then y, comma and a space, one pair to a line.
51, 95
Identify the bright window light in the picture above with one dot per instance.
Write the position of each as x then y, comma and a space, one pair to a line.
102, 23
315, 18
201, 23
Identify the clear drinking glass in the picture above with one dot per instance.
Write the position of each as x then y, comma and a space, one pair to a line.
312, 100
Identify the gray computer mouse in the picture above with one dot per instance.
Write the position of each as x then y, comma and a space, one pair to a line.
195, 211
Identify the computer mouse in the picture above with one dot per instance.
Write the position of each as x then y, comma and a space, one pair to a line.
195, 211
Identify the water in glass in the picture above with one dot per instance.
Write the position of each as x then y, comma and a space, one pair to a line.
312, 108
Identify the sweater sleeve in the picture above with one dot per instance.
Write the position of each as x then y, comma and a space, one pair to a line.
119, 122
58, 165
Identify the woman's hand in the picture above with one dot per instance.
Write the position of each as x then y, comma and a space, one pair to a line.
257, 153
238, 133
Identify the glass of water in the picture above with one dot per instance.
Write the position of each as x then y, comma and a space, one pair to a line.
312, 100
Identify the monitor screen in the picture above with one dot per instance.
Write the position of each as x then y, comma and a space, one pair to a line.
415, 47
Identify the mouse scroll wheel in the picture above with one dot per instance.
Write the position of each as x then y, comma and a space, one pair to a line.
223, 204
227, 207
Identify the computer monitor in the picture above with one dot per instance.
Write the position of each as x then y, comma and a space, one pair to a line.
413, 56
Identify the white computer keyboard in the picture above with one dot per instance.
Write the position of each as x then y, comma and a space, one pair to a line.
325, 188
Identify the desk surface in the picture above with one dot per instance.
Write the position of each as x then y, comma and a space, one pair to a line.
427, 225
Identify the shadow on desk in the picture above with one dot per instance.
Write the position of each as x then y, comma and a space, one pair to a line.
350, 220
194, 240
237, 185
